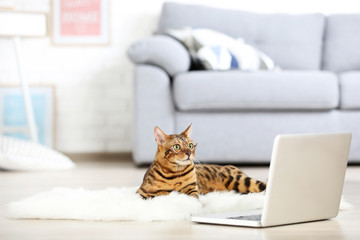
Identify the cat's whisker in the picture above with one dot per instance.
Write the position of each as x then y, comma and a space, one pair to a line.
177, 169
196, 159
197, 162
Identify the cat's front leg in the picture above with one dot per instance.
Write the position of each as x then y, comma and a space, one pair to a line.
194, 194
190, 190
142, 194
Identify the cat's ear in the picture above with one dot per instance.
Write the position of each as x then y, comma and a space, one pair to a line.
160, 136
187, 131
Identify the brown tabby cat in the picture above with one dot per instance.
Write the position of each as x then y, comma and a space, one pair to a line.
174, 170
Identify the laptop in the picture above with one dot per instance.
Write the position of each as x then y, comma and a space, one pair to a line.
305, 182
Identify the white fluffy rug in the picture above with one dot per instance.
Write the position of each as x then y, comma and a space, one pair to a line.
121, 204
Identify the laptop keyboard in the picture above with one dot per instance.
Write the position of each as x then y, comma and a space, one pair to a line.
249, 217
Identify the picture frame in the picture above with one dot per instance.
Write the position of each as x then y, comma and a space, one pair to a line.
13, 120
78, 22
23, 24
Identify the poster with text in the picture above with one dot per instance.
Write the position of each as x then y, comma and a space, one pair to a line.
80, 22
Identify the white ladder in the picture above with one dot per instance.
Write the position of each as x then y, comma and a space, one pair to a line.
31, 128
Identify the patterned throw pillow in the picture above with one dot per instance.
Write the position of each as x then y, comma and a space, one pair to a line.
217, 51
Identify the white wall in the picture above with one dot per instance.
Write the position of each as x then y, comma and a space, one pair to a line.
94, 84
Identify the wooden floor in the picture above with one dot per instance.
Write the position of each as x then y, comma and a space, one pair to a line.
100, 173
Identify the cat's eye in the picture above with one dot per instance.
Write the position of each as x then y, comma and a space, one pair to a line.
176, 146
191, 145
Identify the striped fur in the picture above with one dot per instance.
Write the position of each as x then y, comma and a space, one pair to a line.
174, 170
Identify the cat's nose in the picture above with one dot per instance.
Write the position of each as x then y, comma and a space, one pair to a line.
188, 153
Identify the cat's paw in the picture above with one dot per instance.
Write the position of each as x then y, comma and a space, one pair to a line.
195, 195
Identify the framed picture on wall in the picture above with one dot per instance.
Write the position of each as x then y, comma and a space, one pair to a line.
13, 117
79, 22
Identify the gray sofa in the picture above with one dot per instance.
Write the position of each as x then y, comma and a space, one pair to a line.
236, 115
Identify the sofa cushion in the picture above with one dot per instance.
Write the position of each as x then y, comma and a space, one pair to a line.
213, 50
349, 90
341, 46
235, 90
292, 41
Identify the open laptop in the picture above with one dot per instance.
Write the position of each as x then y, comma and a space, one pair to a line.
305, 183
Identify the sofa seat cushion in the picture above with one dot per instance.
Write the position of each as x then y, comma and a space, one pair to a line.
350, 90
236, 90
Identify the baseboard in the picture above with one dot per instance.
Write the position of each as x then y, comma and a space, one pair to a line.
117, 156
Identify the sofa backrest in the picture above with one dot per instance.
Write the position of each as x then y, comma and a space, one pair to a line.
292, 41
342, 43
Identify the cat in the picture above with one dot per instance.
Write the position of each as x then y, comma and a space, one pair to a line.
174, 170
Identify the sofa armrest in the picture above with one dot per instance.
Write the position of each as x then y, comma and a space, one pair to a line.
162, 51
153, 106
